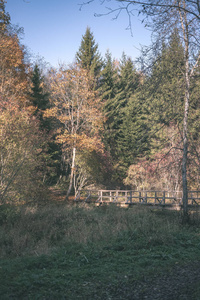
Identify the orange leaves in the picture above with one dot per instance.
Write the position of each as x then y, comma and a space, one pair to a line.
90, 143
77, 108
13, 77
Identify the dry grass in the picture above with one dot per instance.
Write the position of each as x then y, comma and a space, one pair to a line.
30, 230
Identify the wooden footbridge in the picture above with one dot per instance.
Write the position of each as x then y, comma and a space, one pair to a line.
130, 197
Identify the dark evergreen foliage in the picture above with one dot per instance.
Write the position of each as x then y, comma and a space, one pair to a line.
88, 55
4, 17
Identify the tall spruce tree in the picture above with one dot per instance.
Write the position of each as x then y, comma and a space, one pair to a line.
88, 55
39, 98
166, 83
108, 78
134, 140
120, 82
108, 89
126, 86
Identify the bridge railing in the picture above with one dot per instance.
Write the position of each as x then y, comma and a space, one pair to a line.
133, 197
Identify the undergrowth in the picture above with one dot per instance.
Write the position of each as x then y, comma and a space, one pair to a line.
86, 252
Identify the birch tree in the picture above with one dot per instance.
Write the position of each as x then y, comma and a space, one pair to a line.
76, 108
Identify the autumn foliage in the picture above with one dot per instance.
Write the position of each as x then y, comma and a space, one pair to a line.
95, 122
77, 109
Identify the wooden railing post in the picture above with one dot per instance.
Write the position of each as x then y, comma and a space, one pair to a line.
116, 195
101, 196
130, 196
163, 199
140, 197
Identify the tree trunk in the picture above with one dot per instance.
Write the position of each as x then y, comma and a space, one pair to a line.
185, 150
72, 173
184, 24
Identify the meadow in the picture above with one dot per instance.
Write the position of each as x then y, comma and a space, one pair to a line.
80, 251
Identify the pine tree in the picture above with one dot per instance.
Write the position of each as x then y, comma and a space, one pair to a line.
126, 86
39, 98
108, 89
108, 78
120, 82
4, 17
134, 140
166, 82
88, 55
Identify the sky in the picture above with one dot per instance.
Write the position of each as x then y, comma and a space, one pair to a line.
53, 29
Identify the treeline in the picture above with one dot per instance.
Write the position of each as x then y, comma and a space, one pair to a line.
97, 122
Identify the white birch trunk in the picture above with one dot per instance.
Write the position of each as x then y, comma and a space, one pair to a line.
72, 173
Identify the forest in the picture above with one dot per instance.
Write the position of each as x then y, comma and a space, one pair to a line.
98, 122
101, 123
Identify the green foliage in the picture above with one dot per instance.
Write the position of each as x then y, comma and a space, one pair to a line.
154, 120
4, 17
119, 86
134, 138
109, 78
88, 56
165, 85
9, 214
38, 97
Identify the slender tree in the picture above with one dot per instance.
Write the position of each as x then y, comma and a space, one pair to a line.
108, 90
76, 108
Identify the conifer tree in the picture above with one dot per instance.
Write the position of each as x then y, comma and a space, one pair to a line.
119, 82
166, 83
39, 98
88, 55
134, 140
108, 78
4, 17
108, 89
126, 86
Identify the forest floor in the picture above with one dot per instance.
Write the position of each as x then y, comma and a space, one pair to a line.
77, 251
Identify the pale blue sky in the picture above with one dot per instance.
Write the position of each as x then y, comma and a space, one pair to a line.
54, 28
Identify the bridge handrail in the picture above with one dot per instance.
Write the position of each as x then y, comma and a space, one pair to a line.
143, 196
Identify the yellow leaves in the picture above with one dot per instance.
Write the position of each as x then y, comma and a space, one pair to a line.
31, 109
52, 112
77, 108
90, 144
81, 142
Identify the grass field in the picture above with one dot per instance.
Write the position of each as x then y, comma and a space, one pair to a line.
63, 251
